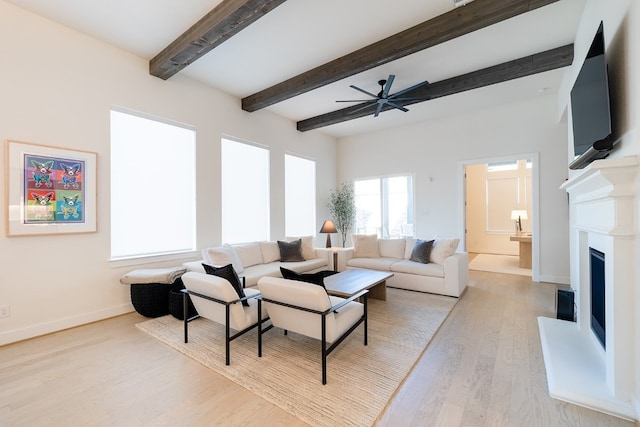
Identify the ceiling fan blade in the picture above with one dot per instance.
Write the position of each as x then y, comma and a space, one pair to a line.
387, 86
410, 99
378, 109
363, 91
357, 100
409, 89
399, 107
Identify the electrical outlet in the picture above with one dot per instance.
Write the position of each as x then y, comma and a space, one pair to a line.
5, 311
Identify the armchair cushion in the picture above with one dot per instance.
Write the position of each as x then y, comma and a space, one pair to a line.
227, 272
291, 251
309, 296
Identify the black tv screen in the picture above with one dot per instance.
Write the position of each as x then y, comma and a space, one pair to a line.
590, 107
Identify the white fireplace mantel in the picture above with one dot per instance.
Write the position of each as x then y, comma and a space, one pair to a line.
579, 370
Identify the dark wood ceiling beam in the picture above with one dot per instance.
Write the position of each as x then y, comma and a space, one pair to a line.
522, 67
460, 21
224, 21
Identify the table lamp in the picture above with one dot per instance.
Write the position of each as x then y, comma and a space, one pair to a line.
518, 216
328, 228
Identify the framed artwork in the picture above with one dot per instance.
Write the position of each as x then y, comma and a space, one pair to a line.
50, 190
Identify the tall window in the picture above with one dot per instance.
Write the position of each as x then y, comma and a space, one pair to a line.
384, 206
152, 187
299, 196
245, 192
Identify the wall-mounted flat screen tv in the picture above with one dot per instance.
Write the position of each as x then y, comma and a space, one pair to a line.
590, 107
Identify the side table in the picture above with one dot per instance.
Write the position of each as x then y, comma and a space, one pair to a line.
525, 249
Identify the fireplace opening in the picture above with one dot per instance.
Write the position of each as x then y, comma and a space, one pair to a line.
598, 325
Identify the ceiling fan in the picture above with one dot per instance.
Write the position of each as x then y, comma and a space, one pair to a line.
383, 98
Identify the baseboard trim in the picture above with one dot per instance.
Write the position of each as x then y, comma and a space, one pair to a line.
636, 404
45, 328
562, 280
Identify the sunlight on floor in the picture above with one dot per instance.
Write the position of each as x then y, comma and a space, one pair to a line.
507, 264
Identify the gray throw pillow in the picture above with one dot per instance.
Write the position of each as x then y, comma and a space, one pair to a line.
291, 251
422, 251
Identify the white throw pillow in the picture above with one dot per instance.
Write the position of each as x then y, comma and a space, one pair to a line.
365, 246
223, 255
443, 248
270, 252
308, 252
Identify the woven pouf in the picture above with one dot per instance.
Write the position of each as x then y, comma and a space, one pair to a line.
151, 299
176, 304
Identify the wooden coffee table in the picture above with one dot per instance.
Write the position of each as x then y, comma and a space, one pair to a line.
352, 281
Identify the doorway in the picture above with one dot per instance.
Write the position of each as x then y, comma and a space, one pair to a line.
494, 190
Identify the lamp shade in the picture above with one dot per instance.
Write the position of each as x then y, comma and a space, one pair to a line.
519, 214
328, 227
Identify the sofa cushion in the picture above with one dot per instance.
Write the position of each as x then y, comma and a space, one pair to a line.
382, 264
270, 252
227, 272
290, 251
391, 248
421, 251
365, 246
443, 248
418, 268
249, 253
308, 252
304, 266
223, 255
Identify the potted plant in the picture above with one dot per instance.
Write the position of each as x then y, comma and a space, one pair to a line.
342, 208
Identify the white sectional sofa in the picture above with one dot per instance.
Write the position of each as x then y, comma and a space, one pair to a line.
258, 259
447, 273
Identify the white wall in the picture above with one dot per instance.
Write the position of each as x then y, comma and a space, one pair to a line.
57, 88
434, 150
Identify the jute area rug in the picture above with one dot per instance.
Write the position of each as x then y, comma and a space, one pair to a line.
360, 379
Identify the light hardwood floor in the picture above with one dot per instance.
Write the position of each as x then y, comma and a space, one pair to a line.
484, 367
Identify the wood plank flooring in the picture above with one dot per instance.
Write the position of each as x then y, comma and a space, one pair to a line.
484, 367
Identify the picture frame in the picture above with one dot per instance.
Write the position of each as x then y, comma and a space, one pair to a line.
49, 190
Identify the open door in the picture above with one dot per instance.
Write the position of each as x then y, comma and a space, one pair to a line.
493, 191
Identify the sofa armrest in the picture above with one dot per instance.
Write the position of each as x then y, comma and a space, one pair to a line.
456, 273
342, 256
325, 254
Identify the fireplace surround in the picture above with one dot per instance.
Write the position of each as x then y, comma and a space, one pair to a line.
579, 368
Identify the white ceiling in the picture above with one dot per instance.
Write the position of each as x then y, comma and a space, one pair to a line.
302, 34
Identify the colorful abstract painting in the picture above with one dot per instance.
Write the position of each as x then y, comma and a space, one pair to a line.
54, 190
51, 190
